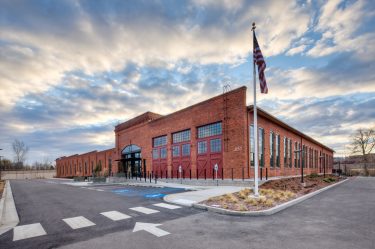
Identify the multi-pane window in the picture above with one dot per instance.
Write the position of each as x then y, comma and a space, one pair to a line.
209, 130
215, 145
303, 156
290, 152
295, 155
163, 152
155, 153
272, 149
185, 149
176, 151
202, 147
261, 147
181, 136
277, 150
159, 141
285, 151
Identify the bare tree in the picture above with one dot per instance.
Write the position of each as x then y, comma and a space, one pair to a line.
363, 142
20, 150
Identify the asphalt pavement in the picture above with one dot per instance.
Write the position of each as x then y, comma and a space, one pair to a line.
48, 203
341, 217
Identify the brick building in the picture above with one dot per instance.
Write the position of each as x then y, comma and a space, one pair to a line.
213, 132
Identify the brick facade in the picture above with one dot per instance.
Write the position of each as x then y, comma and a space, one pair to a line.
231, 154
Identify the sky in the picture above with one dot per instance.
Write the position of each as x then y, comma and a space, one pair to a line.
72, 70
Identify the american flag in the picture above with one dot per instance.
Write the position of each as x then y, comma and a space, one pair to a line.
259, 60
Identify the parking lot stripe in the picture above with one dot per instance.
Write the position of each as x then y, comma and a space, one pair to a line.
165, 205
115, 215
78, 222
28, 231
144, 210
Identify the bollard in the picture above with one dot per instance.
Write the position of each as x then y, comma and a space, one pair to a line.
232, 174
243, 175
261, 173
197, 174
222, 174
183, 174
166, 174
190, 174
266, 174
213, 174
156, 179
150, 177
205, 174
177, 174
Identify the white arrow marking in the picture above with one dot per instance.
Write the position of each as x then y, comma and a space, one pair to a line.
151, 228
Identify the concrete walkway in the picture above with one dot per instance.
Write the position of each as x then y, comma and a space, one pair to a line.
191, 197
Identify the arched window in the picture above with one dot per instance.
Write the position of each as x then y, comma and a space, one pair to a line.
131, 149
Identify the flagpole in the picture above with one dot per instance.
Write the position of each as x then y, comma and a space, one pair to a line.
256, 162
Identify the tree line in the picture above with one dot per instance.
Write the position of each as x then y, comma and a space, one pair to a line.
20, 150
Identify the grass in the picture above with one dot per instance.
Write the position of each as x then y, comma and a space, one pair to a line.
243, 201
2, 185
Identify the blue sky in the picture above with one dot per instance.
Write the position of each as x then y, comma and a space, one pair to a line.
71, 70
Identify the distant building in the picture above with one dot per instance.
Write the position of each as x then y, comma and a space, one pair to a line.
217, 131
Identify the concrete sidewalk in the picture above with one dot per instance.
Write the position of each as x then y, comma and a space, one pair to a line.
192, 197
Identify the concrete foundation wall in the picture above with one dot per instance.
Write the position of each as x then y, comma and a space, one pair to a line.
27, 174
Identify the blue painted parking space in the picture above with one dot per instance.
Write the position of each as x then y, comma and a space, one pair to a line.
145, 192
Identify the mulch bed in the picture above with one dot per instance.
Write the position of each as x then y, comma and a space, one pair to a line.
294, 184
284, 190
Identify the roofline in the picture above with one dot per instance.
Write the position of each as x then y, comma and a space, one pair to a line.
285, 125
187, 108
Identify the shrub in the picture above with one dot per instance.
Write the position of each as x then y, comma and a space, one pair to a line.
269, 203
313, 175
243, 194
329, 179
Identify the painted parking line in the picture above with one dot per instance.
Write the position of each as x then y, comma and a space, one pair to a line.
144, 210
115, 215
28, 231
165, 205
78, 222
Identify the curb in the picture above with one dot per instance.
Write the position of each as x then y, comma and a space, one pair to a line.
8, 212
266, 212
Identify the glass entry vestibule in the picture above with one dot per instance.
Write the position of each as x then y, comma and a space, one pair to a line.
132, 160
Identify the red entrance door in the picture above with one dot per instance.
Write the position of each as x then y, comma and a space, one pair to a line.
209, 153
159, 161
181, 157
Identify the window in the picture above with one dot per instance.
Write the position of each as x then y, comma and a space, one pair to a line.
295, 154
176, 151
159, 141
285, 151
277, 150
272, 149
155, 153
290, 152
185, 149
181, 136
202, 147
163, 152
303, 156
261, 147
209, 130
215, 145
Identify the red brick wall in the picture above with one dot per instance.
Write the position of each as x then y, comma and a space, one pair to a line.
269, 126
229, 108
207, 112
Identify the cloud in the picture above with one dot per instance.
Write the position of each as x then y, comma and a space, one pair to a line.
41, 42
341, 24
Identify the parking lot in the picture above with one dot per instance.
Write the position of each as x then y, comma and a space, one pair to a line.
114, 217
